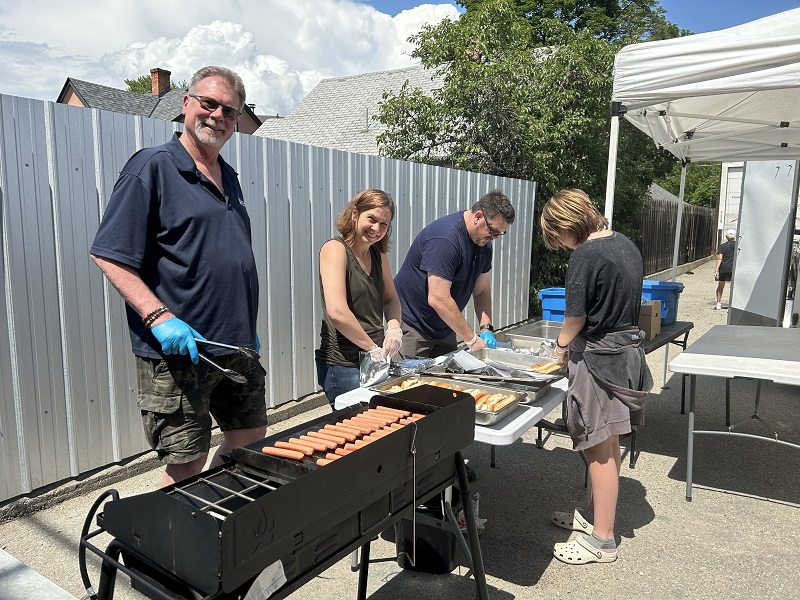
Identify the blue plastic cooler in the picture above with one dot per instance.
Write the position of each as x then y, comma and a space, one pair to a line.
668, 292
554, 304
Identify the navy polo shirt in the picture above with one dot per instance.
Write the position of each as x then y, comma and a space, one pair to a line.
189, 242
443, 248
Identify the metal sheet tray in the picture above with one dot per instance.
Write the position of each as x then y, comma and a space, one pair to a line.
542, 329
525, 342
482, 417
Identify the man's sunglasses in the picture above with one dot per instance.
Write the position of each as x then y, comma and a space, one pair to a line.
492, 231
211, 105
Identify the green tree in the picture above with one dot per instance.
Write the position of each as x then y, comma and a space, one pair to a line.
702, 182
144, 85
617, 21
510, 107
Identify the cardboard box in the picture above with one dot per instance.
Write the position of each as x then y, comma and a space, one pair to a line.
650, 318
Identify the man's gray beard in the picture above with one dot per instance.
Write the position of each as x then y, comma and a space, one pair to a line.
209, 139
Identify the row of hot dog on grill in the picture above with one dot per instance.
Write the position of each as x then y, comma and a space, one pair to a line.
333, 441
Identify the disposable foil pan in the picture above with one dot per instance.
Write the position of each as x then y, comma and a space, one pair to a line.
514, 360
482, 417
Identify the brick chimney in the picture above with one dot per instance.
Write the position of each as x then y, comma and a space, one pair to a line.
160, 81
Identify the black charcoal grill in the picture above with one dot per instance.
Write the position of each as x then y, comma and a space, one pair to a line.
211, 536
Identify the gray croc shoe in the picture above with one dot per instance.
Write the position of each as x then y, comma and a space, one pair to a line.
573, 521
580, 552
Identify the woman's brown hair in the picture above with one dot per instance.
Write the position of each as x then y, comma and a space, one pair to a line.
572, 212
364, 201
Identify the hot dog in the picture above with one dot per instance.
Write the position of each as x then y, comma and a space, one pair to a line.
332, 456
397, 411
329, 445
382, 414
350, 436
346, 428
321, 462
315, 444
372, 419
327, 436
307, 450
360, 427
283, 453
372, 425
342, 451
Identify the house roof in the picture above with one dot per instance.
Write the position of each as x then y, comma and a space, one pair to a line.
168, 107
338, 112
93, 95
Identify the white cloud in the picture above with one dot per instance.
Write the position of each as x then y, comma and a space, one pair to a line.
281, 48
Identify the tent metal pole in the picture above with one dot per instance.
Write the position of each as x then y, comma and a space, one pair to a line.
678, 227
611, 178
678, 224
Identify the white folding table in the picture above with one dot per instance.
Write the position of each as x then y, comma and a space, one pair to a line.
761, 353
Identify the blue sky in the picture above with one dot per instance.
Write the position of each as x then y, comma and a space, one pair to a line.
700, 16
697, 15
281, 57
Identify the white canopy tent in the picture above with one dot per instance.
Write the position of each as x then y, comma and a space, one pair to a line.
728, 95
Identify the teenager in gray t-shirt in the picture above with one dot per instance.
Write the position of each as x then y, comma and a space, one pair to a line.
601, 344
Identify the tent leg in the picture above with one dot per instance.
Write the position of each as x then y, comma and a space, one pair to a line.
611, 178
678, 224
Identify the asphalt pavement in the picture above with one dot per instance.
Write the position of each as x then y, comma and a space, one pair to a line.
735, 540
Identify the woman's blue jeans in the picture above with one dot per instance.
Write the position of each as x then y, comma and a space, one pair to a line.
336, 380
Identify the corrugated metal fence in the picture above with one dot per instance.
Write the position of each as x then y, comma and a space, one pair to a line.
67, 382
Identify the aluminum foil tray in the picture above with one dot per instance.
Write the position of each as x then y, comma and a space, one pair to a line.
515, 360
482, 417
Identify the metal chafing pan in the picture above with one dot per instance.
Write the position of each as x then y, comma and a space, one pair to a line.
531, 335
482, 417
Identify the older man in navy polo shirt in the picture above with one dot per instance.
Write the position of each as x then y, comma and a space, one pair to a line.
175, 243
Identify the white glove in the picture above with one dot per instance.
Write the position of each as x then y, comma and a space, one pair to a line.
378, 353
392, 341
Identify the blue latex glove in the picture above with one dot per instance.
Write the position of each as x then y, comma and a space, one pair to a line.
488, 337
176, 337
258, 344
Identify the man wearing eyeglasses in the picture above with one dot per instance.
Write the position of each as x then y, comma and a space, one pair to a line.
175, 242
449, 263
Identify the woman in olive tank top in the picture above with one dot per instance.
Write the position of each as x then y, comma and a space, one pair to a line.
357, 292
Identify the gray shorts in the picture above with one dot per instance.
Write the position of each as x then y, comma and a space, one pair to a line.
594, 413
177, 400
416, 344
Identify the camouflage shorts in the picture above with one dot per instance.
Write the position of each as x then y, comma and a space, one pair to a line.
178, 399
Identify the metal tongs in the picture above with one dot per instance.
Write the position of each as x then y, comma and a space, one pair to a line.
229, 373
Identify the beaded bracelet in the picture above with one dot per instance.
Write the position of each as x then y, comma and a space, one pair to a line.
149, 319
560, 346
